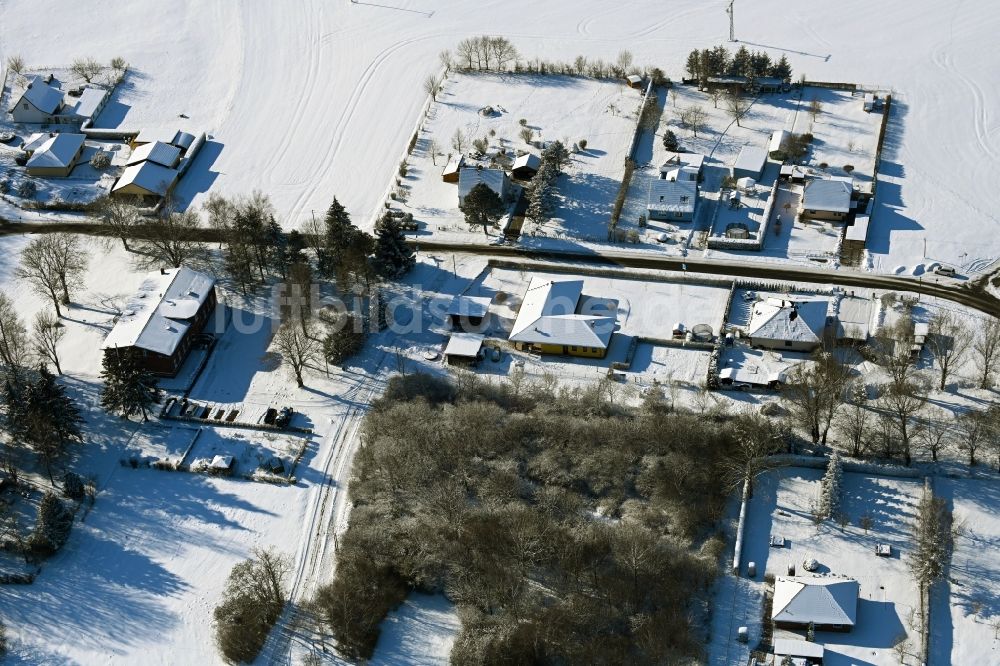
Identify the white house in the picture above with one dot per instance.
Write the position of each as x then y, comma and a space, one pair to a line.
548, 321
672, 199
57, 156
91, 102
827, 199
776, 323
40, 102
148, 181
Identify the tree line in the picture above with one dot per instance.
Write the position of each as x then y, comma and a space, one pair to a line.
718, 61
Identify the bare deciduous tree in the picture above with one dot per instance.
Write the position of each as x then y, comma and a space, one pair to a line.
973, 429
86, 68
433, 149
716, 95
47, 331
623, 62
853, 423
815, 391
987, 348
903, 401
54, 264
815, 108
935, 431
693, 118
948, 341
120, 217
168, 240
13, 336
298, 347
431, 86
15, 63
736, 106
458, 141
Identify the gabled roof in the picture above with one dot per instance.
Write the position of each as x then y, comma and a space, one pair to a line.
454, 164
149, 176
35, 141
548, 316
469, 177
156, 318
41, 95
157, 152
820, 600
57, 152
677, 160
470, 306
751, 158
529, 160
633, 78
90, 99
833, 195
672, 196
797, 648
798, 321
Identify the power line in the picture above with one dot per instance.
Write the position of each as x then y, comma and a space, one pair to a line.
732, 21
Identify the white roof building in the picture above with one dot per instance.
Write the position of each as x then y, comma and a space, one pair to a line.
528, 160
797, 649
469, 306
157, 152
677, 160
824, 601
779, 140
90, 103
57, 152
495, 179
548, 317
831, 195
750, 162
799, 325
463, 346
42, 97
35, 141
672, 198
155, 318
146, 178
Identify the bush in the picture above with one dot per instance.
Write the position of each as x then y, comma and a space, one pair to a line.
73, 487
526, 135
633, 236
778, 155
848, 168
482, 145
523, 122
582, 143
4, 186
823, 165
670, 141
100, 160
27, 188
52, 527
402, 169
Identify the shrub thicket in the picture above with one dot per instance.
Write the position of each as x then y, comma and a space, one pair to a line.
564, 525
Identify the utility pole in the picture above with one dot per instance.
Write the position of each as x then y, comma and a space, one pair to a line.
732, 19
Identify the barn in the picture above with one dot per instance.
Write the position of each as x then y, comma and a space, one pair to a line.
450, 173
526, 166
160, 321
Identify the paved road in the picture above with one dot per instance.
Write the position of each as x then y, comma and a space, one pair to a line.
944, 288
939, 287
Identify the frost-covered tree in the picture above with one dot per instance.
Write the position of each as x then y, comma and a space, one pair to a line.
987, 349
128, 388
86, 68
557, 155
252, 601
298, 347
46, 333
14, 348
948, 341
54, 265
831, 487
52, 526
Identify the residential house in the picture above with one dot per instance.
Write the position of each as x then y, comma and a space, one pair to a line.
89, 105
674, 199
769, 84
776, 323
678, 160
548, 321
40, 102
750, 162
57, 156
159, 323
728, 83
526, 166
827, 603
495, 179
827, 199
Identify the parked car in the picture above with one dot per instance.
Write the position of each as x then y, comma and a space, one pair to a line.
946, 271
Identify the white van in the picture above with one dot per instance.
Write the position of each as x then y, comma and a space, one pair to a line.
946, 271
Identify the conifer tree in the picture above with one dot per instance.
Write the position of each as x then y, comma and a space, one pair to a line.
393, 255
483, 206
52, 526
830, 487
41, 415
128, 388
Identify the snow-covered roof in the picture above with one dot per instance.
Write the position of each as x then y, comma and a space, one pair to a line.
44, 97
463, 344
633, 78
677, 160
182, 140
779, 139
35, 141
794, 647
155, 318
152, 177
57, 152
751, 158
769, 81
829, 194
854, 317
745, 183
672, 196
454, 164
548, 316
798, 321
529, 160
469, 177
470, 306
755, 374
90, 99
821, 600
157, 152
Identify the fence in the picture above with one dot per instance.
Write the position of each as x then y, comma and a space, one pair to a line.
629, 165
756, 244
833, 85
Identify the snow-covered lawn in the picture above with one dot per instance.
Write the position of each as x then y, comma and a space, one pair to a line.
565, 108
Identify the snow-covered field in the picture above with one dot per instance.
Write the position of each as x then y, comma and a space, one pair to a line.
314, 99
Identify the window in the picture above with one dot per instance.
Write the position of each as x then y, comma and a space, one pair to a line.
684, 198
678, 214
661, 197
25, 106
788, 343
572, 349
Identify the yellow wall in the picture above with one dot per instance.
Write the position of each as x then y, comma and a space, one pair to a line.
588, 352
